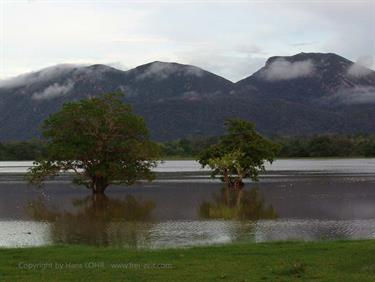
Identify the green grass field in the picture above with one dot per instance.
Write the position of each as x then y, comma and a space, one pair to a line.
288, 261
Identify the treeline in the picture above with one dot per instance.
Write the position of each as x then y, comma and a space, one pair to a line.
187, 148
21, 151
327, 146
303, 146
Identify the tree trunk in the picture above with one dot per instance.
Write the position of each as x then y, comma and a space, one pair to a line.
98, 185
226, 176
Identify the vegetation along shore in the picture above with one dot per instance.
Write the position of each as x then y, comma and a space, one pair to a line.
333, 145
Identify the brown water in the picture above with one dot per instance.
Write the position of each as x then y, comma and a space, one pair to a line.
295, 200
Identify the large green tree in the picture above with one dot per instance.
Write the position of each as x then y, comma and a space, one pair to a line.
239, 154
100, 140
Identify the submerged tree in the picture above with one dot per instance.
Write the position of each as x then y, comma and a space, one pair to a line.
100, 140
239, 154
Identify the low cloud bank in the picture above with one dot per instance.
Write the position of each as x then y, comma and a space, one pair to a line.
38, 76
54, 90
362, 67
282, 69
160, 71
357, 95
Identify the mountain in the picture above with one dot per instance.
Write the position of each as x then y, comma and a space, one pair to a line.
302, 94
160, 81
160, 91
338, 93
309, 77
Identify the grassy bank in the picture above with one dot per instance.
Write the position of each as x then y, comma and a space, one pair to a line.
318, 261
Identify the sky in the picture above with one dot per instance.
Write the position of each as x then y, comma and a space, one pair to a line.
230, 38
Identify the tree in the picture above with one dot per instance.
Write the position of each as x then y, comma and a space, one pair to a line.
239, 154
100, 140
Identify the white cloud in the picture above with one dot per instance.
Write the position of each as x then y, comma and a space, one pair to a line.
135, 33
361, 67
250, 49
140, 39
281, 69
94, 72
54, 73
53, 91
160, 71
357, 95
37, 76
118, 65
234, 63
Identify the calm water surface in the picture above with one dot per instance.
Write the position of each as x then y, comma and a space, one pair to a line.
295, 200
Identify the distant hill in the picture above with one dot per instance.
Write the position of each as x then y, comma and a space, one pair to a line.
309, 77
302, 94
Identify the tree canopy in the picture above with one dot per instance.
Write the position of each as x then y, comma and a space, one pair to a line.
99, 139
239, 154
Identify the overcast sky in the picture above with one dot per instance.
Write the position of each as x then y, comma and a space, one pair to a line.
230, 38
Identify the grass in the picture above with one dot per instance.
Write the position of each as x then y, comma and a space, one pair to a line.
286, 261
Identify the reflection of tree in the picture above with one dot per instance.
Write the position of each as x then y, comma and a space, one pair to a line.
237, 204
96, 220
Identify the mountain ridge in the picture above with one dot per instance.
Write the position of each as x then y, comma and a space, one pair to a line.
306, 93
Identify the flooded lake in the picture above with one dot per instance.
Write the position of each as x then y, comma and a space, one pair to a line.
300, 199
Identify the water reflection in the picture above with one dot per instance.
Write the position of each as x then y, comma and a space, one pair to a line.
233, 203
96, 220
129, 222
182, 211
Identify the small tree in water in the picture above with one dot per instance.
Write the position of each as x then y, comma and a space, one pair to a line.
100, 140
239, 154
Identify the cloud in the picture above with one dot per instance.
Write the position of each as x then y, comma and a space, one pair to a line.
93, 72
38, 76
234, 63
97, 32
140, 39
53, 91
118, 65
250, 49
281, 69
356, 95
160, 71
299, 44
362, 67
